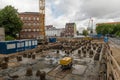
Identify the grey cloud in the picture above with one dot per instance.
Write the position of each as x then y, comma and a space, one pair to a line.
100, 8
78, 11
22, 5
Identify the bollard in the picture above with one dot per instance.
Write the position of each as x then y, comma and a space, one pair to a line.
19, 58
1, 63
91, 54
33, 56
6, 59
111, 52
29, 55
57, 51
79, 51
29, 72
24, 55
94, 48
43, 75
84, 54
4, 65
65, 51
38, 73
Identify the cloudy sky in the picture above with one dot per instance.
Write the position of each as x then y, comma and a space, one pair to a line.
59, 12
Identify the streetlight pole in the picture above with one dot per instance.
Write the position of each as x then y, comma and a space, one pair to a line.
91, 26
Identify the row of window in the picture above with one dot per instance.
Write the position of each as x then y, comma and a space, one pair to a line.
28, 36
31, 24
29, 18
69, 33
29, 30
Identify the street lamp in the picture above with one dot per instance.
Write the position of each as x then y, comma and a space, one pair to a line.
18, 37
91, 26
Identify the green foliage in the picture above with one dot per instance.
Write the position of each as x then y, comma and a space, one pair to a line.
117, 33
85, 32
108, 29
10, 20
7, 38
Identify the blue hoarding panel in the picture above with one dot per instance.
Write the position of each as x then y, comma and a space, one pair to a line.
52, 40
34, 44
20, 45
7, 47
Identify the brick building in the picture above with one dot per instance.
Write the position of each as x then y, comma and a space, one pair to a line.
70, 30
49, 27
30, 28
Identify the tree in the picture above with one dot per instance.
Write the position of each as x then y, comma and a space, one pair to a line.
10, 20
104, 29
85, 32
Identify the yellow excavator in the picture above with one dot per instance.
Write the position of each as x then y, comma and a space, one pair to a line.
66, 63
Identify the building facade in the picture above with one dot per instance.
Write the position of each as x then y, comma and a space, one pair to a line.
31, 27
53, 32
31, 23
2, 34
70, 30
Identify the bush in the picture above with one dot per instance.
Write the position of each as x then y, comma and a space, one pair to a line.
7, 38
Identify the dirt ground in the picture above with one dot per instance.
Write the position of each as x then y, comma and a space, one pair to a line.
84, 67
116, 51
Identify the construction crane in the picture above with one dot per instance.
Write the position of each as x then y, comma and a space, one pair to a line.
42, 37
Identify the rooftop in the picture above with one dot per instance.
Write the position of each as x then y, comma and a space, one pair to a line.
29, 13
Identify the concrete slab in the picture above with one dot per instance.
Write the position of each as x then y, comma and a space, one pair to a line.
79, 69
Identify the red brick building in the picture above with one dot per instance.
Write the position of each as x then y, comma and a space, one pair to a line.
70, 30
30, 28
49, 27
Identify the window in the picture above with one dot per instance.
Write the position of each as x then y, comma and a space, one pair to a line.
25, 24
21, 36
38, 30
21, 18
37, 18
34, 30
29, 18
29, 29
29, 37
29, 24
34, 24
38, 24
22, 29
34, 18
25, 18
25, 30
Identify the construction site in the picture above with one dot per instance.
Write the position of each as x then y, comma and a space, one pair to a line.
91, 60
62, 58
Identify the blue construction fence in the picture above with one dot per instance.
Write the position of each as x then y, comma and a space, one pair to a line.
97, 36
52, 40
7, 47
